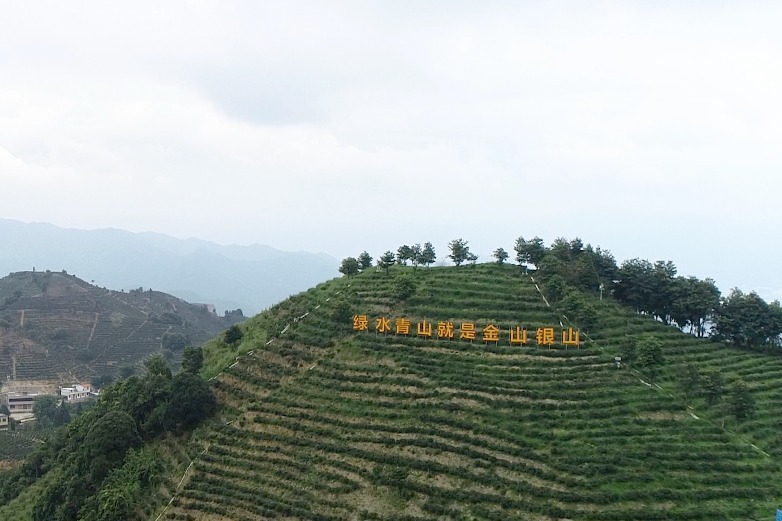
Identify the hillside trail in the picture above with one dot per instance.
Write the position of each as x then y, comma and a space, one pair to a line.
144, 323
92, 332
690, 410
21, 319
106, 347
168, 329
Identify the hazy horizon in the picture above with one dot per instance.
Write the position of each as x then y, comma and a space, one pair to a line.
651, 130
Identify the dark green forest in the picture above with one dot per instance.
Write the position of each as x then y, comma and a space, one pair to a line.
103, 464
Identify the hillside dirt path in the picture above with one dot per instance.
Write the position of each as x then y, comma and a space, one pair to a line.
168, 329
92, 333
21, 319
137, 329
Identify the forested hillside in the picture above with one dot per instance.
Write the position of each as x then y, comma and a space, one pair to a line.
114, 461
55, 326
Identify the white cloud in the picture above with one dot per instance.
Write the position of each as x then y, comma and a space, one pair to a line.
652, 129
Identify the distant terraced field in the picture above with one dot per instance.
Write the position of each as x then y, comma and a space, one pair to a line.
325, 423
54, 326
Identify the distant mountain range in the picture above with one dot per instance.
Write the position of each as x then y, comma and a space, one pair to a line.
230, 277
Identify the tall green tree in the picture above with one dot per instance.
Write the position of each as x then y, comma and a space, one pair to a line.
746, 319
635, 286
46, 410
107, 441
191, 401
578, 310
689, 381
428, 255
233, 335
713, 387
556, 287
663, 290
584, 275
403, 254
560, 249
522, 255
364, 260
576, 247
416, 255
460, 251
349, 266
536, 250
628, 350
386, 261
694, 303
157, 365
500, 255
650, 355
192, 360
742, 403
549, 266
604, 264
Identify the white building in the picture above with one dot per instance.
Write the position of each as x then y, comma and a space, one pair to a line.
76, 393
3, 421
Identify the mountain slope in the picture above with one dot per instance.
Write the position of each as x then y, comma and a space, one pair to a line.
55, 326
323, 422
247, 277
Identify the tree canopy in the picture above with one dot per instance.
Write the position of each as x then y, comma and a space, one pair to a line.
460, 251
104, 472
500, 255
649, 354
233, 335
386, 261
364, 260
192, 360
428, 255
350, 266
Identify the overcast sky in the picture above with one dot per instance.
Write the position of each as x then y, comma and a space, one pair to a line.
653, 129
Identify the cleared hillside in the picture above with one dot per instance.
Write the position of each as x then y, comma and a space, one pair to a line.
324, 422
55, 326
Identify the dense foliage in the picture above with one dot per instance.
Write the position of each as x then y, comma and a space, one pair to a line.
655, 289
105, 470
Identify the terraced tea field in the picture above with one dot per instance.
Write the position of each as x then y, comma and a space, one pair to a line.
322, 422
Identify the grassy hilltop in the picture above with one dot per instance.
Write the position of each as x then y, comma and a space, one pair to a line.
322, 422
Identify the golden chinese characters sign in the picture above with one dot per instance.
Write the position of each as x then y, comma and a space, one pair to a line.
469, 331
